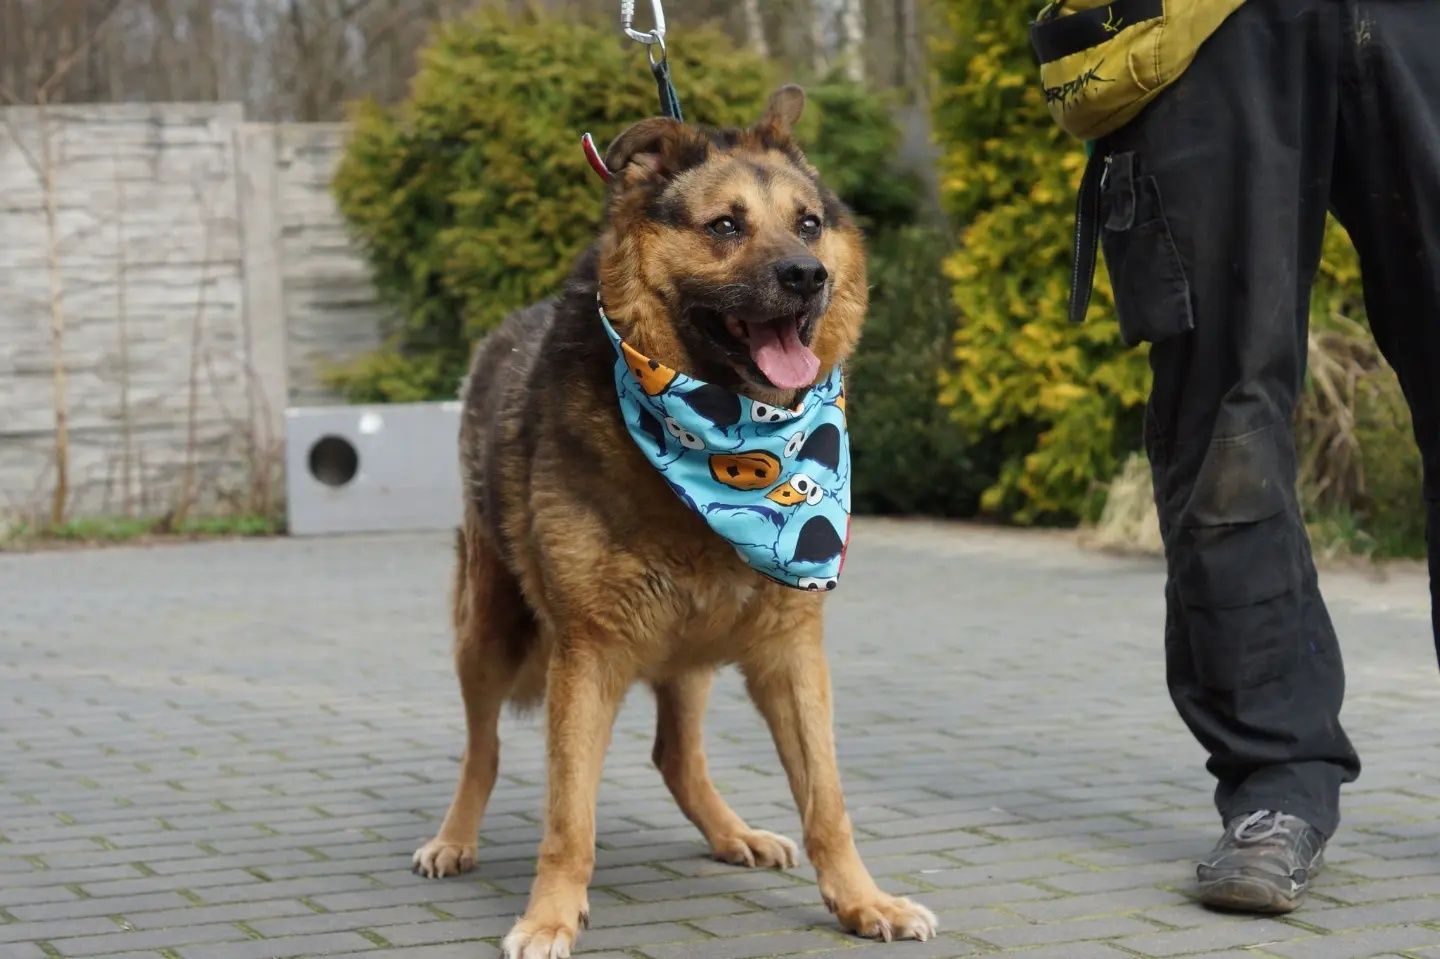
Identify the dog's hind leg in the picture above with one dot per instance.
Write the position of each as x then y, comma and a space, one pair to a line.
680, 757
489, 617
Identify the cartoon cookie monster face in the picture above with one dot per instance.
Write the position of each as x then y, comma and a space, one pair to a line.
751, 470
764, 413
796, 490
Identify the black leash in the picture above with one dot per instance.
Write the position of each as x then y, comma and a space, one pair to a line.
1087, 234
669, 102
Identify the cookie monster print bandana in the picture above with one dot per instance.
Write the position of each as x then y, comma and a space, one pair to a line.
774, 483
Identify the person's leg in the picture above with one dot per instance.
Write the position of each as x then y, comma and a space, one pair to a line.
1388, 181
1214, 209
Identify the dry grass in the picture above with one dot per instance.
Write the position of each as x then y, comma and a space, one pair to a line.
1344, 361
1349, 424
1128, 523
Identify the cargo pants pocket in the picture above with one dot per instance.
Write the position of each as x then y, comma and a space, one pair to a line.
1152, 291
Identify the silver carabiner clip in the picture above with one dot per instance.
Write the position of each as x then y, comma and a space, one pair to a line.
627, 23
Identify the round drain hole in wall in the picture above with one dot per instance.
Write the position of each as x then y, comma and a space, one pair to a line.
333, 461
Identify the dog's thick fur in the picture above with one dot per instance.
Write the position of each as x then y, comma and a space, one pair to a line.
581, 573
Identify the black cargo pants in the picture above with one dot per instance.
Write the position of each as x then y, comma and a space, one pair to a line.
1213, 210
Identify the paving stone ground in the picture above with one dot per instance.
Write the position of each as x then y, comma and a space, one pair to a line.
229, 751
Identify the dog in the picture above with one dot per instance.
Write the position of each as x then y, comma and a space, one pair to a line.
580, 571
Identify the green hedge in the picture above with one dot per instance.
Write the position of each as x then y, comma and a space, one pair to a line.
910, 454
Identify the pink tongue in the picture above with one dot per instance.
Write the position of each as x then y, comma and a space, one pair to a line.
785, 361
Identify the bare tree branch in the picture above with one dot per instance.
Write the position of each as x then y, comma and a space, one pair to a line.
67, 63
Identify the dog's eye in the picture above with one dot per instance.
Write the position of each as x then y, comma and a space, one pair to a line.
810, 226
725, 226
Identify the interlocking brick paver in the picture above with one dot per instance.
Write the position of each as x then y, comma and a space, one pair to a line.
313, 922
630, 937
449, 930
323, 944
1099, 904
24, 950
748, 947
119, 941
1072, 950
1360, 943
1262, 932
204, 744
1374, 914
19, 932
106, 906
230, 912
1067, 931
466, 950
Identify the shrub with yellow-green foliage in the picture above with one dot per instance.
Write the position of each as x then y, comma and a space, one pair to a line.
1063, 400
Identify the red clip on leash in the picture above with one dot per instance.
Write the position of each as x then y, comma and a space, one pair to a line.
587, 143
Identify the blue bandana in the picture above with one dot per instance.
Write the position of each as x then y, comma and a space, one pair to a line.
774, 483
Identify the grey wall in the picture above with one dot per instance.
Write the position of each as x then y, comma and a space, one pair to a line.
206, 280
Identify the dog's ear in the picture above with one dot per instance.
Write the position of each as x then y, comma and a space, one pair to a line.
657, 147
786, 105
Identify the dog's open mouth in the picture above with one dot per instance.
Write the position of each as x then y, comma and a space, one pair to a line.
779, 349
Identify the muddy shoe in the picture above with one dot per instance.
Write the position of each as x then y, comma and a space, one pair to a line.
1263, 863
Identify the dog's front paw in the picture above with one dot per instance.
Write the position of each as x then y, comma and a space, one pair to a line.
886, 918
544, 938
756, 848
438, 859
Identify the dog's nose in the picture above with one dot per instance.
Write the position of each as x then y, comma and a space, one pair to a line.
804, 275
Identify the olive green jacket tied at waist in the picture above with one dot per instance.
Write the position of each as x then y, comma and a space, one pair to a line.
1100, 62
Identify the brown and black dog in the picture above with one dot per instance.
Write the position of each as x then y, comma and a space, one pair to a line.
581, 573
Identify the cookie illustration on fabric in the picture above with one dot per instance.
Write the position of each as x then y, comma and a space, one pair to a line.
653, 377
772, 482
796, 490
752, 470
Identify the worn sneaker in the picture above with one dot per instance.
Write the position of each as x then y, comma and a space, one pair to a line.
1263, 863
